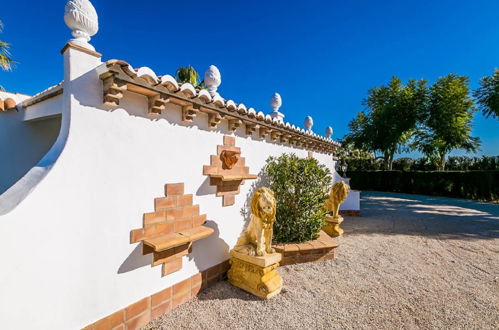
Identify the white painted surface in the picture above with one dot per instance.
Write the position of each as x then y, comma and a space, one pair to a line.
23, 145
66, 256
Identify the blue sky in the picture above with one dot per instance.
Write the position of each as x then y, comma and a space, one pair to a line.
321, 56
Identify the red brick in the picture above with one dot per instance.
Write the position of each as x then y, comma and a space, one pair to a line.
224, 266
195, 290
161, 297
183, 250
191, 211
196, 279
174, 189
199, 220
172, 266
228, 148
154, 218
161, 309
181, 287
136, 235
180, 299
210, 170
215, 161
165, 202
228, 200
139, 321
229, 141
184, 200
120, 327
180, 225
110, 321
164, 228
137, 308
163, 256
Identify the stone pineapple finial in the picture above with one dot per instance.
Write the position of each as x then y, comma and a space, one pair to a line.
275, 104
212, 79
309, 122
80, 16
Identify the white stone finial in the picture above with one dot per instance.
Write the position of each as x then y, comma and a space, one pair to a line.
275, 103
329, 132
212, 79
309, 122
81, 17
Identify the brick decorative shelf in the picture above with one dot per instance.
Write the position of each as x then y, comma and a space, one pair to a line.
169, 231
316, 250
227, 171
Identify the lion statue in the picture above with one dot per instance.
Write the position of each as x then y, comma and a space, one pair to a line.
338, 195
257, 238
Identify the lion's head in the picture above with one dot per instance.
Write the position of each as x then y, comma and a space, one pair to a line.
340, 192
263, 205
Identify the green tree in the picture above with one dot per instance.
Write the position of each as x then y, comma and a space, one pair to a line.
446, 122
6, 61
390, 118
487, 96
189, 75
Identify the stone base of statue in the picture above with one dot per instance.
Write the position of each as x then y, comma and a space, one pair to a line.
256, 275
332, 226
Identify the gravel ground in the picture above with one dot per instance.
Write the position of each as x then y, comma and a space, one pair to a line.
410, 262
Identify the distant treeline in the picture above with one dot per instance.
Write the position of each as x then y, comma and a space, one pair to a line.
462, 163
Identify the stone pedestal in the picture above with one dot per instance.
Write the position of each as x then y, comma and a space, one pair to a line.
256, 275
332, 226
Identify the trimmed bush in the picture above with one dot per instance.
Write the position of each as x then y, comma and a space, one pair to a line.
478, 185
300, 186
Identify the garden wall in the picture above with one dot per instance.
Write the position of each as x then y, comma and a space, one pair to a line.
478, 185
68, 259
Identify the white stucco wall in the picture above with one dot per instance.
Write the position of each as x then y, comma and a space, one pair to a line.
66, 256
23, 145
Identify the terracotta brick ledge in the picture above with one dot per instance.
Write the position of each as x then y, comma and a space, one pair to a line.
312, 251
143, 311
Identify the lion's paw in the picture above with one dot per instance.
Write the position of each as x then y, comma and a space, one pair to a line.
259, 252
271, 250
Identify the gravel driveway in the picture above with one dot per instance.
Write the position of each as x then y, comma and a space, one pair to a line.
410, 262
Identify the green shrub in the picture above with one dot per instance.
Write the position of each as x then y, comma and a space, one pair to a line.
478, 185
300, 186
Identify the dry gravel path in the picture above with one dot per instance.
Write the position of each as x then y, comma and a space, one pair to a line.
410, 262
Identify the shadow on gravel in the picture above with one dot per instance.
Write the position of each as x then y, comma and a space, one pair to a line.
224, 291
447, 218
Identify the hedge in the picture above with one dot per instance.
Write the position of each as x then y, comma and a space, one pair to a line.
478, 185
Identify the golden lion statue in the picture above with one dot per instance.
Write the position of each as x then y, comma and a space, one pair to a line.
257, 238
338, 195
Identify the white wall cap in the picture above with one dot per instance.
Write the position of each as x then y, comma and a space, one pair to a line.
169, 82
147, 74
188, 90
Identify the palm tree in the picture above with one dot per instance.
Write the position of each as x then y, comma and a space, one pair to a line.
5, 60
189, 75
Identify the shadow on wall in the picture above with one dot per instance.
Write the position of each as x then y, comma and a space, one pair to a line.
261, 181
431, 216
206, 189
206, 250
135, 260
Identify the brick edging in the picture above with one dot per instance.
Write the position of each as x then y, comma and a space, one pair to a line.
143, 311
316, 250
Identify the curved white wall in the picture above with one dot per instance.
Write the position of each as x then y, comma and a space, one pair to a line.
66, 256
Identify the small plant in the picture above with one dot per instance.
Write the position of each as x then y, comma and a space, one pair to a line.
301, 186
